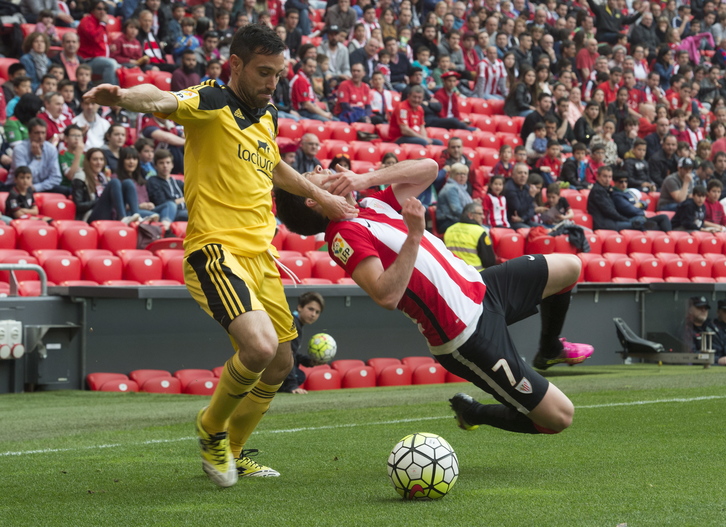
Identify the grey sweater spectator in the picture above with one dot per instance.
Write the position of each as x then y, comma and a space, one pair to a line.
31, 8
337, 52
341, 15
677, 187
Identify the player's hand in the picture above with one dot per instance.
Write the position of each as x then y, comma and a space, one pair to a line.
344, 182
300, 391
105, 95
337, 208
414, 216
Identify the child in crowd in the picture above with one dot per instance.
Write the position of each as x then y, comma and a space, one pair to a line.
57, 71
558, 207
694, 132
423, 56
715, 217
536, 143
322, 80
45, 26
126, 49
163, 188
691, 213
70, 154
574, 169
520, 154
221, 22
213, 72
187, 40
384, 59
404, 37
443, 65
21, 86
83, 81
683, 150
20, 203
145, 148
550, 165
536, 183
309, 307
597, 159
495, 204
71, 105
505, 165
48, 84
637, 168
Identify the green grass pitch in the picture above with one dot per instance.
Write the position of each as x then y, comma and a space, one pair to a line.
646, 449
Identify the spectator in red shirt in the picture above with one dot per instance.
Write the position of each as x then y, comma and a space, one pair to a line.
354, 98
585, 60
302, 96
551, 164
449, 116
54, 117
94, 47
126, 49
407, 121
715, 216
611, 86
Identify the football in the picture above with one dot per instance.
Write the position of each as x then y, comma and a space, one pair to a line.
423, 467
322, 347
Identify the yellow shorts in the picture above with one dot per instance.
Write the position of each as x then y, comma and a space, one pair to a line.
226, 286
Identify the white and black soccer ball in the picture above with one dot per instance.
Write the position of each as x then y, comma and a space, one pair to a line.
423, 467
322, 347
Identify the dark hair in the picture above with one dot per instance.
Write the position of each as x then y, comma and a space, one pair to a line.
706, 165
137, 175
14, 68
389, 155
553, 188
553, 142
311, 296
699, 190
580, 146
23, 170
36, 121
603, 169
494, 178
162, 153
70, 128
711, 183
339, 158
597, 147
107, 135
256, 39
17, 81
640, 142
297, 216
28, 42
142, 142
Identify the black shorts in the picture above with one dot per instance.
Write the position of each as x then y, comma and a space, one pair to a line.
489, 358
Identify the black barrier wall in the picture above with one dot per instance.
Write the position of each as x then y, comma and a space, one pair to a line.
103, 329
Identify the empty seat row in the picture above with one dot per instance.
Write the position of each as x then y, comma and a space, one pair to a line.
189, 381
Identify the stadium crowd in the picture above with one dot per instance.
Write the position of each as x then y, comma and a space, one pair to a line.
624, 91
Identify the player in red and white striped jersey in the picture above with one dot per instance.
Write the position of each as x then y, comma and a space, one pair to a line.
462, 314
491, 76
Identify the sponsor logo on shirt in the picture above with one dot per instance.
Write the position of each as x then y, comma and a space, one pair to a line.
185, 94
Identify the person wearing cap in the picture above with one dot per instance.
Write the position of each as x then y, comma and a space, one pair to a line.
677, 187
697, 323
341, 15
448, 116
337, 52
288, 152
627, 203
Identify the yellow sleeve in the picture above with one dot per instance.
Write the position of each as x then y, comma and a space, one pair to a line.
196, 104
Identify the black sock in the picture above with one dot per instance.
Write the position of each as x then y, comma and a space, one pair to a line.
553, 311
500, 416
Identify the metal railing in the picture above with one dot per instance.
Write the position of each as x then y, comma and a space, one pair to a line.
25, 267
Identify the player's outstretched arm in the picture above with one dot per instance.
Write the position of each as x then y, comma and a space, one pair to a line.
408, 178
145, 98
334, 207
387, 286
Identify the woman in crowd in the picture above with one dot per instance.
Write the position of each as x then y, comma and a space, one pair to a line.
35, 60
520, 101
115, 138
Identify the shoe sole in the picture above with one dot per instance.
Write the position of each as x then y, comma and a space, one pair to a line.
270, 473
219, 478
460, 420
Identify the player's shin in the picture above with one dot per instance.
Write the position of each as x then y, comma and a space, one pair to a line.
504, 417
248, 415
553, 311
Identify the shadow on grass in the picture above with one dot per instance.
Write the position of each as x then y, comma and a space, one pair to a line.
570, 372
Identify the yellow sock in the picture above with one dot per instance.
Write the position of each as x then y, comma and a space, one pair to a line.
235, 383
248, 415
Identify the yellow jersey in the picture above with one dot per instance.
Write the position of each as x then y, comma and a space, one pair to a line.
229, 155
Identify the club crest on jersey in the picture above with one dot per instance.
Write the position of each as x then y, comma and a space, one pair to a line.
185, 94
261, 145
341, 250
524, 386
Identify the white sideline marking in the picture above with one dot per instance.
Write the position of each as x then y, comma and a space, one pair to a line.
350, 425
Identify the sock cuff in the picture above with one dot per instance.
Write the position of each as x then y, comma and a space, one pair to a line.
263, 393
240, 373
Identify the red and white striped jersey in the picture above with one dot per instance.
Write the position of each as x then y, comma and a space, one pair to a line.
444, 294
490, 74
496, 210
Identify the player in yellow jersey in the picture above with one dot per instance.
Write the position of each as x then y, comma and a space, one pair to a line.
231, 164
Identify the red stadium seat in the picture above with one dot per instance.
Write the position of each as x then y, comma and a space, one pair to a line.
379, 363
280, 236
174, 268
327, 268
488, 156
663, 243
316, 281
31, 287
359, 377
143, 268
299, 265
320, 379
79, 283
414, 151
442, 134
162, 282
384, 148
346, 281
37, 236
165, 243
485, 123
296, 242
363, 127
343, 365
218, 371
468, 139
582, 219
58, 209
7, 237
383, 132
119, 386
675, 269
510, 245
616, 243
595, 243
450, 377
188, 375
161, 384
541, 245
576, 200
687, 245
78, 237
121, 283
512, 140
20, 276
87, 254
624, 267
96, 380
718, 268
43, 254
395, 375
496, 233
700, 268
640, 244
204, 386
62, 268
290, 129
435, 151
711, 245
160, 79
141, 376
428, 374
563, 245
598, 269
102, 268
179, 229
414, 362
117, 238
319, 129
650, 268
507, 125
367, 152
338, 147
128, 78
